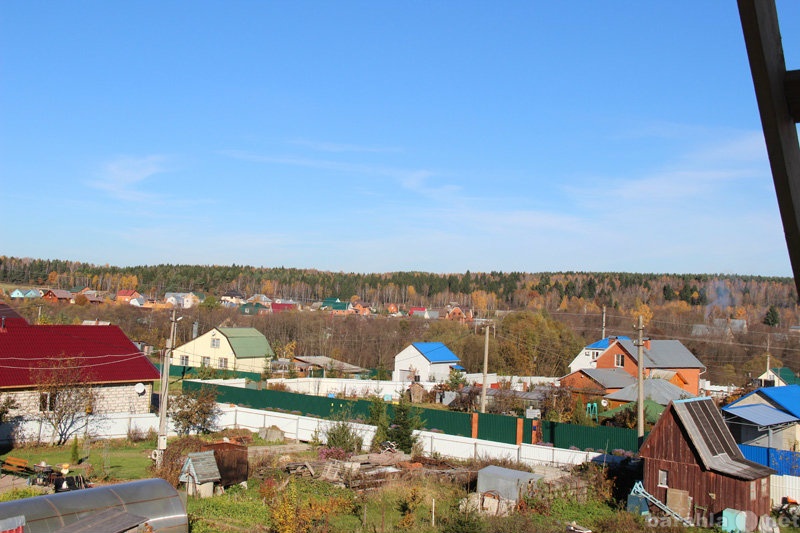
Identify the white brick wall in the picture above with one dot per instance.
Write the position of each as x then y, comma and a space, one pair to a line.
111, 398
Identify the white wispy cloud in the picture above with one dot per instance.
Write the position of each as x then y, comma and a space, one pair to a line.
122, 178
419, 181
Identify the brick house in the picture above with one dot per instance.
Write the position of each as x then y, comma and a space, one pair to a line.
125, 296
122, 376
660, 356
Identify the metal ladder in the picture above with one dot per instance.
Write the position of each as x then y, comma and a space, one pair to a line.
638, 490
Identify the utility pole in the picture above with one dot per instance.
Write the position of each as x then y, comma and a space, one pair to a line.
485, 368
640, 377
603, 335
162, 400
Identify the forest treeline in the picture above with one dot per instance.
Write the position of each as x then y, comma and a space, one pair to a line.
545, 319
484, 292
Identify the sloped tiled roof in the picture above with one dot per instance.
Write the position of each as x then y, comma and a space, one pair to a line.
664, 354
436, 352
107, 355
247, 343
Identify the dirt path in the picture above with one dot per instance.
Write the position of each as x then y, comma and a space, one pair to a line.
9, 482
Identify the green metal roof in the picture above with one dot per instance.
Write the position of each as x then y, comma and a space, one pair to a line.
652, 410
247, 343
786, 375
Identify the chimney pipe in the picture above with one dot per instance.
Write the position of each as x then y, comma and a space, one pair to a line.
647, 344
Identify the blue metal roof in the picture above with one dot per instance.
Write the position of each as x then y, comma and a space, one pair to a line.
602, 344
763, 415
788, 397
457, 367
436, 352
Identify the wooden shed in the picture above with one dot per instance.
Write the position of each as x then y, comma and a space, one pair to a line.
231, 460
200, 473
692, 464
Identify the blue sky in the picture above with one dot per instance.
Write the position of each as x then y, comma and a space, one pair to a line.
385, 136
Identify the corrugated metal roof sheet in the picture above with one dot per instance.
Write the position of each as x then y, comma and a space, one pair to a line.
602, 344
711, 438
660, 391
664, 354
763, 415
609, 378
436, 352
326, 362
106, 353
247, 343
788, 397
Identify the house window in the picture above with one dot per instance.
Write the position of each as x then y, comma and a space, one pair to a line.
223, 362
619, 360
663, 478
215, 343
184, 360
47, 402
205, 361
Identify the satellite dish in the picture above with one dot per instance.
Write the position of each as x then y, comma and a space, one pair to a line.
139, 388
604, 402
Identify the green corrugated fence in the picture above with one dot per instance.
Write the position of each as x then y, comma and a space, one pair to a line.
584, 437
497, 428
190, 372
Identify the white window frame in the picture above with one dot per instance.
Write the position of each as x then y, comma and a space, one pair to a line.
663, 478
223, 363
184, 360
619, 360
205, 361
215, 343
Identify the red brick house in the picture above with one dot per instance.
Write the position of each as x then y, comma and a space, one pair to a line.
591, 383
126, 295
660, 356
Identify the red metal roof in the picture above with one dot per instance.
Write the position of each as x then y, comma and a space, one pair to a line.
126, 292
105, 352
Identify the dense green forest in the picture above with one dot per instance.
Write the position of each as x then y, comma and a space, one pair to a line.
541, 319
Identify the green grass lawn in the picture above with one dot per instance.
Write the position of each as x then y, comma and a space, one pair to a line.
106, 460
